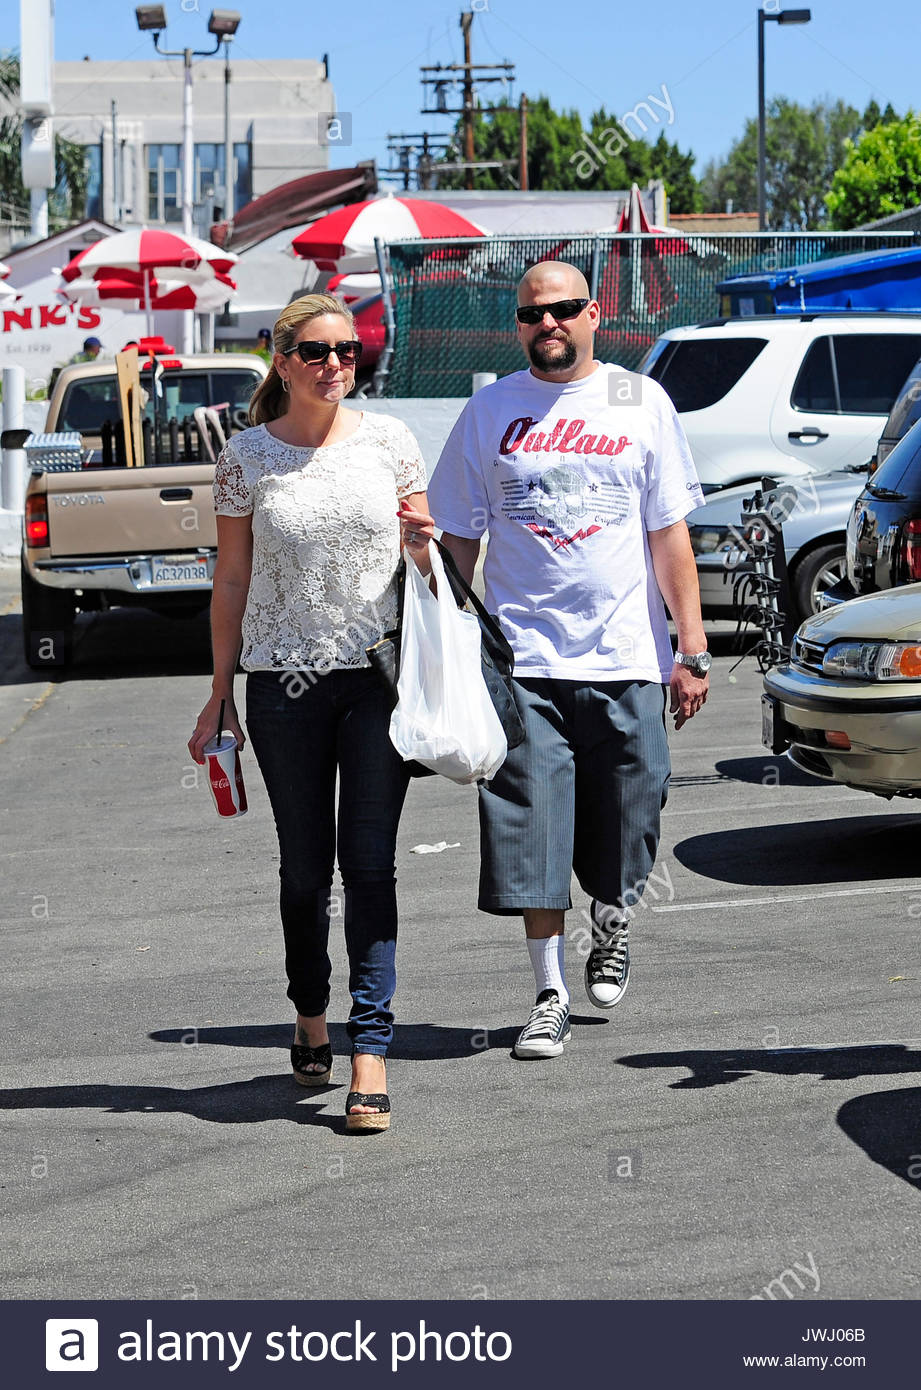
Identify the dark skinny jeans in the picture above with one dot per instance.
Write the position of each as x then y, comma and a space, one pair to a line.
337, 722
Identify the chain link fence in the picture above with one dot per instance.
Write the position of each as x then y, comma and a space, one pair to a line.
455, 300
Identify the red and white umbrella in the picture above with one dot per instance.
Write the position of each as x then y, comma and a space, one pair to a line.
153, 269
124, 289
344, 240
351, 288
6, 291
633, 217
151, 250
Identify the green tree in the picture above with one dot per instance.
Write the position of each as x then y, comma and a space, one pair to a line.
873, 116
676, 170
880, 174
803, 148
68, 198
564, 155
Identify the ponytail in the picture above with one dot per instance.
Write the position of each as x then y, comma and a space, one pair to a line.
269, 400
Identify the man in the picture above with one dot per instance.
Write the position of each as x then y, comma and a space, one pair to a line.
581, 473
264, 344
91, 350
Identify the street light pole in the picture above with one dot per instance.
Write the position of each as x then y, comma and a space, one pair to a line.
228, 209
762, 160
781, 17
223, 25
188, 143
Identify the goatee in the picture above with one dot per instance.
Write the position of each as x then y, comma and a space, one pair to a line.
556, 362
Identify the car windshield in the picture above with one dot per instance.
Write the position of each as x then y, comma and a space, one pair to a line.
88, 403
900, 471
907, 408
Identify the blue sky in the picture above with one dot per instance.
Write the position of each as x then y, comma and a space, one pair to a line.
581, 54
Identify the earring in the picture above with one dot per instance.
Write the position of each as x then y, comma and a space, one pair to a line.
285, 384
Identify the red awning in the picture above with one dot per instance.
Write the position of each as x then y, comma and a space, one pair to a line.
295, 203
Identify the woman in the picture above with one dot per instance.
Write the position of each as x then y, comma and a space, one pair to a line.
308, 545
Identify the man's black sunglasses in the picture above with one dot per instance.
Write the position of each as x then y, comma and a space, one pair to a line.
562, 309
315, 352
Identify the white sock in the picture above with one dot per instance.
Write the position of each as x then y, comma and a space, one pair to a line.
547, 961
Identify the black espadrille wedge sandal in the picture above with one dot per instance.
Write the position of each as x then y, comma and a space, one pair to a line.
367, 1119
302, 1057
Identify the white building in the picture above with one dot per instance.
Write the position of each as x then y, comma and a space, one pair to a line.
280, 125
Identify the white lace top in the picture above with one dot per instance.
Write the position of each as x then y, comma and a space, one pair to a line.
326, 540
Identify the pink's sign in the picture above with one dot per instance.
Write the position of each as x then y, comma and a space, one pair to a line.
38, 332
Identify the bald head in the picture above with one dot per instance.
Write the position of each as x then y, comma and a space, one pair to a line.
561, 318
556, 278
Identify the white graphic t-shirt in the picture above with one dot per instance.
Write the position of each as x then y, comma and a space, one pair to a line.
568, 478
326, 540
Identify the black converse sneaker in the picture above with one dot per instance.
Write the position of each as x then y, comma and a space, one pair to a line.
547, 1028
607, 970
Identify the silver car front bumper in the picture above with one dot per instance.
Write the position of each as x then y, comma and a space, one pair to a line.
882, 723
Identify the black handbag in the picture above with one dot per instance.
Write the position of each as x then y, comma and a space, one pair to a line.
496, 657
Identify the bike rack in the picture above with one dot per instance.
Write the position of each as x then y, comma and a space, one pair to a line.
762, 591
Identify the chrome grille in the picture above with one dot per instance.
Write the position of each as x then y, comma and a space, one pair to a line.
808, 655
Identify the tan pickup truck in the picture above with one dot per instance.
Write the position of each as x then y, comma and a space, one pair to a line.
101, 535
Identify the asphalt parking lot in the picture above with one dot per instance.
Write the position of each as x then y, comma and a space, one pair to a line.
747, 1123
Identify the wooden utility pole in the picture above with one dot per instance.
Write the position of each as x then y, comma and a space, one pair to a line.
443, 78
523, 144
466, 20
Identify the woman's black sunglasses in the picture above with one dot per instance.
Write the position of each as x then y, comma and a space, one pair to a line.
562, 309
315, 352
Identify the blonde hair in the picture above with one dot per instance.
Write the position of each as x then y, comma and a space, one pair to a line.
270, 399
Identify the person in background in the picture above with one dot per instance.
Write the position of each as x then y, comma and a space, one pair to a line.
308, 550
92, 347
264, 344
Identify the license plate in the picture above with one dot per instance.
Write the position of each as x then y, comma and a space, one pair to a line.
771, 726
171, 573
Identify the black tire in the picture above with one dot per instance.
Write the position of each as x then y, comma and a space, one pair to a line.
47, 624
815, 572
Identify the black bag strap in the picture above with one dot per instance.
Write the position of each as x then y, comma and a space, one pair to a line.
464, 594
400, 575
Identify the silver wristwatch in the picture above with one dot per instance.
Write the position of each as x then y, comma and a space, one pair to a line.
698, 662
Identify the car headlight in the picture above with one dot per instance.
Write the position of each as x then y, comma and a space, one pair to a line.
874, 661
706, 540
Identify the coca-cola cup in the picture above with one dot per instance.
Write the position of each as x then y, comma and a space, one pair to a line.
225, 776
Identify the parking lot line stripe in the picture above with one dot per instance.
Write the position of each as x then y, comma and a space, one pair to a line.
781, 804
787, 898
36, 704
837, 1047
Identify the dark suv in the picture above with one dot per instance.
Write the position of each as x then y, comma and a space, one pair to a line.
904, 413
883, 547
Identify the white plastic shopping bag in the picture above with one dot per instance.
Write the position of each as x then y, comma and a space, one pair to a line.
443, 717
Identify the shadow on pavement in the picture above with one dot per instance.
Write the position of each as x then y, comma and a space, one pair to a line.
841, 849
722, 1066
887, 1126
411, 1041
117, 645
237, 1102
768, 771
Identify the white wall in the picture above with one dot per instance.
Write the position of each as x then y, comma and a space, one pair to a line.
274, 105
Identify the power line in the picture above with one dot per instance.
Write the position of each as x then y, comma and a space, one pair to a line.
469, 76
